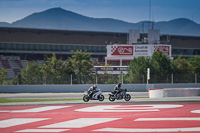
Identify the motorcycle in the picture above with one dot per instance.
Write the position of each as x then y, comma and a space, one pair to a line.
96, 96
119, 96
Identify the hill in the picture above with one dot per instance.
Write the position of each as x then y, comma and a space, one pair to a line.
58, 18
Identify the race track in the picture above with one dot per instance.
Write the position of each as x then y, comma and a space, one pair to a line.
101, 118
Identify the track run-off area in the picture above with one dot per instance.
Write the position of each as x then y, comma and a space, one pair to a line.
101, 118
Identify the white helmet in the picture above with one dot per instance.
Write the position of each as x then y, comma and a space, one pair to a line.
95, 86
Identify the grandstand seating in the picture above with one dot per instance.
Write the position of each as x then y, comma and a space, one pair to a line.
18, 62
5, 64
14, 66
11, 74
1, 66
23, 62
16, 71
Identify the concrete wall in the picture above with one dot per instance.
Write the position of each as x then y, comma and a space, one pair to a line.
82, 88
174, 92
63, 88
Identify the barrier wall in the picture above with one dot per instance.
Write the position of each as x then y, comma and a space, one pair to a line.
173, 92
82, 88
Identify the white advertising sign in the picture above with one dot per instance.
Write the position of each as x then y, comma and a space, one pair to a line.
142, 50
128, 51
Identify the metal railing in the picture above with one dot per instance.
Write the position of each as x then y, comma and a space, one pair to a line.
110, 79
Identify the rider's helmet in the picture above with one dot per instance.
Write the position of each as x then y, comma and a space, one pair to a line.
94, 86
119, 84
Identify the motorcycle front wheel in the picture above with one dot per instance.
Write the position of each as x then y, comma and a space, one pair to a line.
111, 98
85, 98
127, 97
101, 97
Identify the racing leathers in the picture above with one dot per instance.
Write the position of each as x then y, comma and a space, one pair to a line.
117, 89
92, 90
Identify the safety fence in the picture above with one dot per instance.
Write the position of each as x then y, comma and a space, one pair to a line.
109, 79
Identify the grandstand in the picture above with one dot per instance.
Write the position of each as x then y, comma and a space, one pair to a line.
19, 45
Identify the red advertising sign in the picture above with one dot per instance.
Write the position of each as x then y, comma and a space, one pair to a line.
163, 49
121, 50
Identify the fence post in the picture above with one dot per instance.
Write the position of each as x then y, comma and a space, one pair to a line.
195, 78
122, 78
96, 79
71, 79
172, 78
143, 78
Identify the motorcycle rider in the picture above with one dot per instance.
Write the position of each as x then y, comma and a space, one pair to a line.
118, 89
92, 90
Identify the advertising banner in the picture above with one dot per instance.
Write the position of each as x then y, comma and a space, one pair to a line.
164, 49
127, 51
122, 50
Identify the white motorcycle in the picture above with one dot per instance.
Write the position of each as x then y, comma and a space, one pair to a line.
96, 96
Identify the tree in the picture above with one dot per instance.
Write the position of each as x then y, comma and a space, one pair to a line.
160, 67
53, 70
160, 63
30, 74
18, 79
137, 69
3, 76
181, 66
80, 64
195, 64
182, 70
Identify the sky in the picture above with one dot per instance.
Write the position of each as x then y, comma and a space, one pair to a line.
127, 10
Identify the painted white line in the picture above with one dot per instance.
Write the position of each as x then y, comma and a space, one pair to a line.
79, 123
169, 119
195, 111
42, 130
111, 108
152, 106
194, 129
39, 109
127, 108
18, 121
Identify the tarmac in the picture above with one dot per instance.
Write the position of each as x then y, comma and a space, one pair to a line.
137, 97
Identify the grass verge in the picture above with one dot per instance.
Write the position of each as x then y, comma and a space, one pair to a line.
4, 100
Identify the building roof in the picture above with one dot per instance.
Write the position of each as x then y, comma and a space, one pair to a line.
49, 36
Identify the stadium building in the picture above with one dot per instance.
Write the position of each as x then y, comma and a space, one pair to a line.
19, 45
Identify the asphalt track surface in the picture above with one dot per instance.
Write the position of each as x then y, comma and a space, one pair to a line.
102, 118
143, 115
136, 97
59, 95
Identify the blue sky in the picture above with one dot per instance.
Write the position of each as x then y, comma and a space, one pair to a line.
126, 10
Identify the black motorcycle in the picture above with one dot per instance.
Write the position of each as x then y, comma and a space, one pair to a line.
96, 96
121, 95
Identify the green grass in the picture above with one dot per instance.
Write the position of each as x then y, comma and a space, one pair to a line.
4, 100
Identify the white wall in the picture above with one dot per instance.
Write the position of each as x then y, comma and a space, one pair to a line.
174, 92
